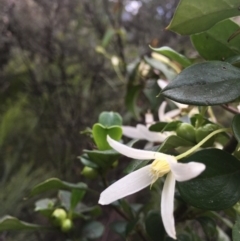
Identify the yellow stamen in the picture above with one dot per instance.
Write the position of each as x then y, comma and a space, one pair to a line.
159, 168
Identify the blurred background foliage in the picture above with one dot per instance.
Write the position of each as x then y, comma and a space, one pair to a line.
58, 72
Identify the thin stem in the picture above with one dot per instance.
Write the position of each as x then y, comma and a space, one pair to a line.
193, 149
230, 109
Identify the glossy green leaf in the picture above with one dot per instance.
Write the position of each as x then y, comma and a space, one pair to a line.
208, 83
172, 142
103, 159
56, 184
92, 230
154, 226
193, 16
168, 72
158, 126
213, 44
76, 196
100, 135
173, 55
11, 223
235, 60
217, 187
86, 162
131, 97
108, 119
236, 230
236, 126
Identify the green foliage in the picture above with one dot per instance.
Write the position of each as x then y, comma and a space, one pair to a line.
217, 187
192, 16
208, 83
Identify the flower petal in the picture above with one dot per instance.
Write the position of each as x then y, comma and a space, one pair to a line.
151, 135
162, 83
161, 111
132, 132
167, 205
186, 171
131, 152
171, 114
129, 184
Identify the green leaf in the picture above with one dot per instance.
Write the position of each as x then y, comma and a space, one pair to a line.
11, 223
134, 165
103, 159
235, 60
76, 196
131, 99
92, 230
236, 230
172, 142
236, 126
100, 135
193, 16
154, 226
173, 55
45, 206
108, 37
86, 162
208, 83
119, 227
108, 119
55, 183
156, 64
213, 44
217, 187
158, 126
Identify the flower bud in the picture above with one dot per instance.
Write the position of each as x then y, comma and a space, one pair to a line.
67, 225
89, 172
59, 215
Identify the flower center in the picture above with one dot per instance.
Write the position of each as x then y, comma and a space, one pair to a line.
159, 168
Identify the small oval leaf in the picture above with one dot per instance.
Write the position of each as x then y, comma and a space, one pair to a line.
204, 84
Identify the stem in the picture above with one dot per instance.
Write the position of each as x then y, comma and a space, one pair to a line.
193, 149
230, 109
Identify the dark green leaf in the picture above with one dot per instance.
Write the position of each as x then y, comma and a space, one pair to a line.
108, 119
171, 126
213, 44
120, 228
217, 187
158, 127
173, 55
103, 159
154, 226
193, 16
208, 83
92, 230
172, 142
76, 196
236, 126
12, 223
100, 135
55, 183
135, 165
86, 162
236, 230
131, 99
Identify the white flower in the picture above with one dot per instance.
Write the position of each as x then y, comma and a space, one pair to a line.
139, 179
142, 132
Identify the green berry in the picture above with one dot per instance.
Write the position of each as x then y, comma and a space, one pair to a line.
59, 215
186, 131
67, 225
89, 172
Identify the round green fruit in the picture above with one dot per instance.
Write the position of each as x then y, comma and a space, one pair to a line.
59, 215
186, 131
89, 172
67, 225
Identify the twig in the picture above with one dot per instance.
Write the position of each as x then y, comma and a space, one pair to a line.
230, 109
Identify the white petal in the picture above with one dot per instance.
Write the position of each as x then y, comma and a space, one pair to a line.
162, 83
161, 111
171, 114
186, 171
151, 135
180, 105
132, 132
167, 205
131, 152
129, 184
